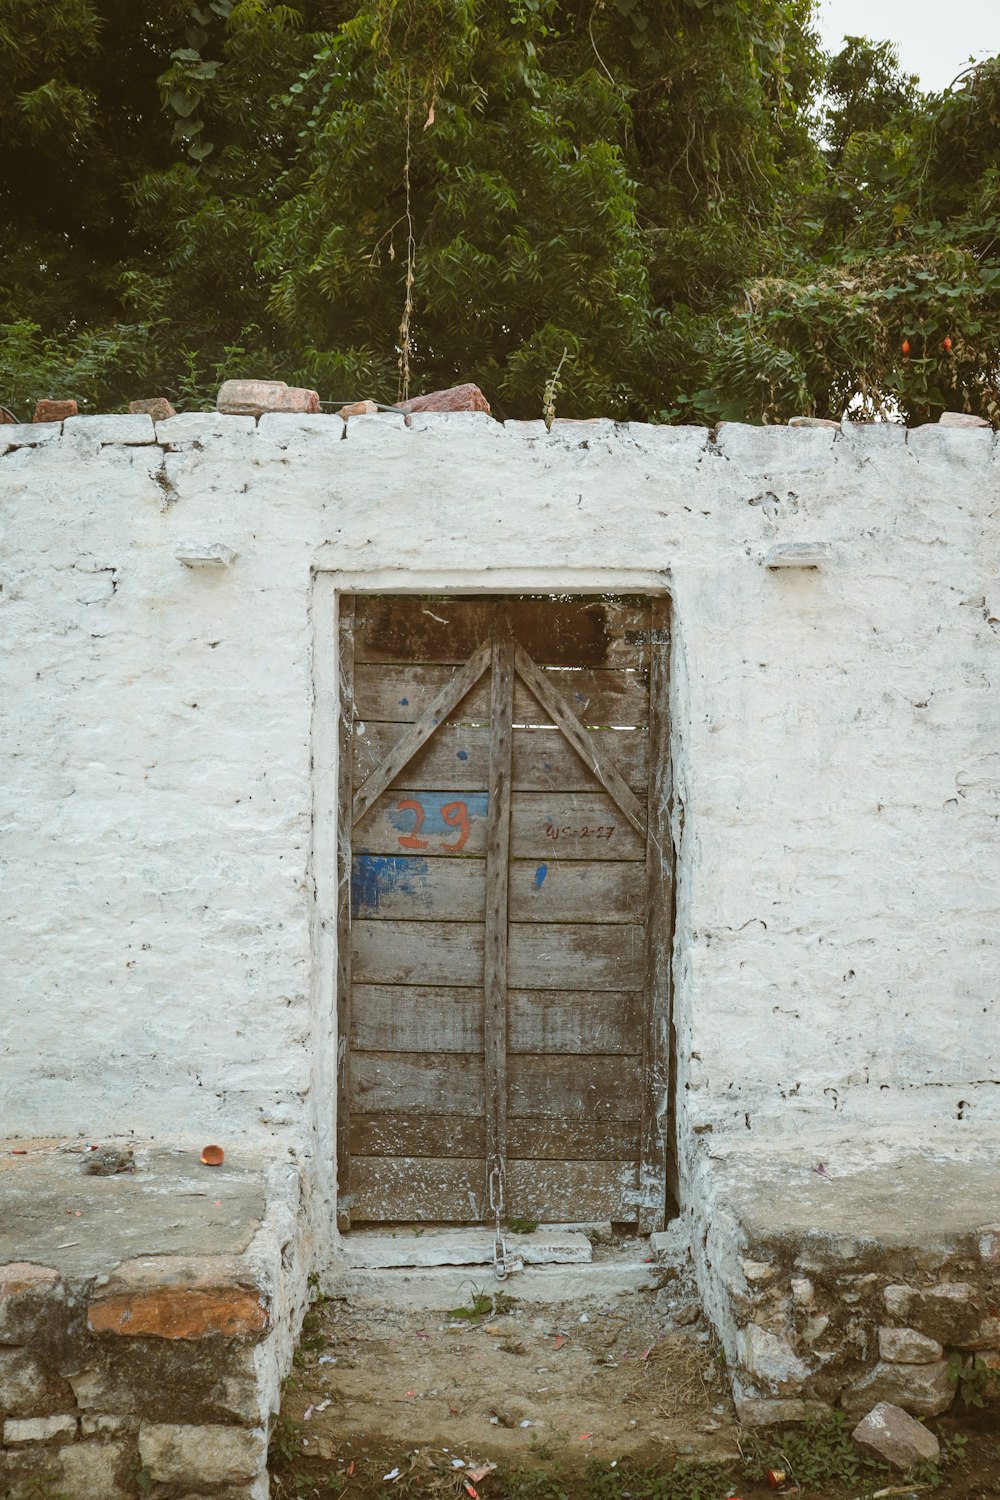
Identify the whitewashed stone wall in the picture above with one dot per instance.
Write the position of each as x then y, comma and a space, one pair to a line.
169, 751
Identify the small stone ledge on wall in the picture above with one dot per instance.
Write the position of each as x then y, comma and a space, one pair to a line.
830, 1287
144, 1337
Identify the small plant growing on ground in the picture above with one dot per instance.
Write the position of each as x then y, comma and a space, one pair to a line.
819, 1452
975, 1379
286, 1441
138, 1480
533, 1486
541, 1448
928, 1475
480, 1305
627, 1481
292, 1478
311, 1338
38, 1488
953, 1449
483, 1304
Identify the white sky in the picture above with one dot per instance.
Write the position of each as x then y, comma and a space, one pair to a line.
935, 38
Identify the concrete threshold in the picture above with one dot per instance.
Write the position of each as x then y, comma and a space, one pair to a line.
444, 1287
370, 1250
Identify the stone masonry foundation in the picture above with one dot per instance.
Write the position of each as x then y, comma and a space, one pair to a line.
146, 1322
869, 1274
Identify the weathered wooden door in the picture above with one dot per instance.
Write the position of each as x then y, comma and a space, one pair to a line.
505, 910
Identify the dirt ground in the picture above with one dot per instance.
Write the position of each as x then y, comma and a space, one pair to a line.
590, 1400
495, 1381
588, 1379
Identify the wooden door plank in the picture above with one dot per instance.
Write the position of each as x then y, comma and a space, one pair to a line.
405, 1189
569, 1140
573, 1190
542, 955
387, 692
497, 861
545, 761
583, 741
458, 757
424, 1083
394, 1133
544, 825
577, 890
571, 825
406, 887
401, 887
658, 1048
422, 1018
345, 710
576, 955
599, 696
573, 1021
574, 1088
571, 632
419, 953
411, 740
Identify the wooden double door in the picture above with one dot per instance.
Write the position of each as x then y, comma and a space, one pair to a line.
505, 905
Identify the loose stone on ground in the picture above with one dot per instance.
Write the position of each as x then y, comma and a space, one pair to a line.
895, 1437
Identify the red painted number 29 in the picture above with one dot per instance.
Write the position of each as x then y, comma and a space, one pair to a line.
455, 814
410, 840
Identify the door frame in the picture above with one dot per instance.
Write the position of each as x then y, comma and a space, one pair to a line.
331, 843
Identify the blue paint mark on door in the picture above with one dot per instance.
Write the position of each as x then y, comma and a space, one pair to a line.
374, 876
540, 875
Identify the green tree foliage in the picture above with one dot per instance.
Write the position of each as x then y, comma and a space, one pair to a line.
379, 195
455, 191
481, 204
891, 304
80, 120
866, 94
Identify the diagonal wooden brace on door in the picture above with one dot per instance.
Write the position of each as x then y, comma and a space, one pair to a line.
581, 740
419, 733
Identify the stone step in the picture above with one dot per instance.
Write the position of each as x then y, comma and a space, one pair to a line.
443, 1287
383, 1250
